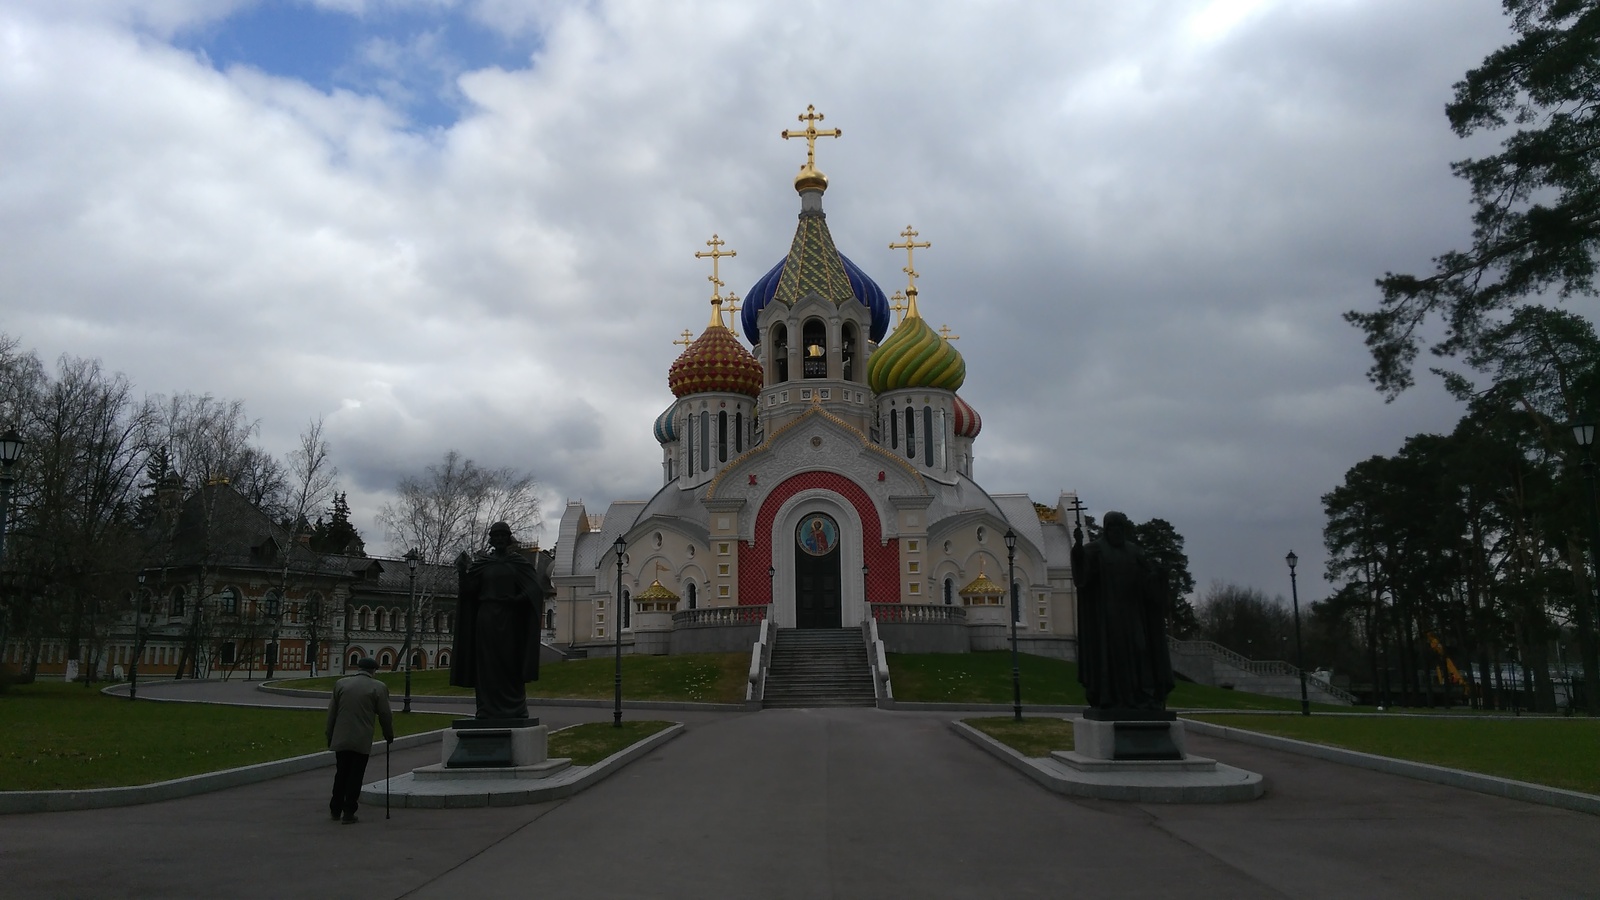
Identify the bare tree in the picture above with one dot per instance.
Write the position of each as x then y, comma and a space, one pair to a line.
448, 511
310, 484
449, 508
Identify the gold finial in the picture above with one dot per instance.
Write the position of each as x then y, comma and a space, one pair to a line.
716, 313
732, 305
898, 304
944, 332
715, 254
910, 246
809, 178
911, 303
685, 339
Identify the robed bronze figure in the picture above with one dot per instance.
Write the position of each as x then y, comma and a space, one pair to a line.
498, 613
1123, 663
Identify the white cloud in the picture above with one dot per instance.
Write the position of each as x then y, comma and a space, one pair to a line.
1144, 237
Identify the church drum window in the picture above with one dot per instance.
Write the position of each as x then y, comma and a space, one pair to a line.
780, 353
814, 346
894, 428
705, 441
722, 436
911, 433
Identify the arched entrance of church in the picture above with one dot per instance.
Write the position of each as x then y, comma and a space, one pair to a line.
817, 572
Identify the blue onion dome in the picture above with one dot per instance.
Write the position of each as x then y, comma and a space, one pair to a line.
861, 285
666, 431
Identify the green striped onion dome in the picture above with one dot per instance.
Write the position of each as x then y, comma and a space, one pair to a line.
915, 356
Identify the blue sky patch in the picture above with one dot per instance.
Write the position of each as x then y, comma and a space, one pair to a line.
408, 57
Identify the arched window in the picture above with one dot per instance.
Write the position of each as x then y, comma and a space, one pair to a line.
384, 660
229, 600
949, 591
355, 657
705, 440
894, 428
444, 659
911, 433
692, 595
722, 436
780, 352
849, 346
814, 347
313, 607
689, 444
627, 608
417, 661
177, 602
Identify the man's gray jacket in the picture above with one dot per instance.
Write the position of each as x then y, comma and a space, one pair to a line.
356, 700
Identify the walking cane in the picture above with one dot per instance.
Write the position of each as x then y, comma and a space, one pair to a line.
386, 786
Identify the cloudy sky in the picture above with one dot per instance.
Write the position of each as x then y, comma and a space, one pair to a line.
471, 224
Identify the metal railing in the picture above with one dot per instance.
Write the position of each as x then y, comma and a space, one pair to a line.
918, 613
708, 616
1266, 667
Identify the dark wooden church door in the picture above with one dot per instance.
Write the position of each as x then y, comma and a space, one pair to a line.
816, 573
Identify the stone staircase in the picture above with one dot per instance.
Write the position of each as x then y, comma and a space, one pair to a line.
1213, 664
819, 667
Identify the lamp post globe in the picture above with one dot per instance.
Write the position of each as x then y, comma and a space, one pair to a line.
619, 548
1299, 651
1011, 587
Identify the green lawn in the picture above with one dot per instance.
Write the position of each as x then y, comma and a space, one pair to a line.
1032, 737
693, 677
61, 736
1555, 752
986, 678
589, 743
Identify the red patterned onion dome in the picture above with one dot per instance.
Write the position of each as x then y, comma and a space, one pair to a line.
716, 361
968, 422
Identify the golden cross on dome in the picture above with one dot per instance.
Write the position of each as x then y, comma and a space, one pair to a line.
811, 118
898, 304
731, 303
715, 254
944, 332
685, 339
910, 246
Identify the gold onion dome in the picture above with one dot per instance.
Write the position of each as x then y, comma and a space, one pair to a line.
656, 592
716, 361
810, 179
982, 586
916, 356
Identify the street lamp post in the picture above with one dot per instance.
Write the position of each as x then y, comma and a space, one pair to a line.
620, 547
138, 642
11, 445
1011, 585
866, 600
1299, 651
411, 608
1584, 433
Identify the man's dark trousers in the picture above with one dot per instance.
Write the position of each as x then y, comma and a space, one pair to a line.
350, 769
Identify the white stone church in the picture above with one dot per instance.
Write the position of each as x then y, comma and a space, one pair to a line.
819, 472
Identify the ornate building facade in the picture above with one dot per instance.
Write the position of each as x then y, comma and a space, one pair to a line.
818, 472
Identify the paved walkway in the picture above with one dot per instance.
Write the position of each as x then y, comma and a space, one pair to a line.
819, 803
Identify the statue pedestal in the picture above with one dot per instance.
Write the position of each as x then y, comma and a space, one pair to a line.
476, 749
1128, 736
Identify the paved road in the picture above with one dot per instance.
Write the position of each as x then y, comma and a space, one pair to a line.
821, 803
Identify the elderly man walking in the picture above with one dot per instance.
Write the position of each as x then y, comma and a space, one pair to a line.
357, 699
